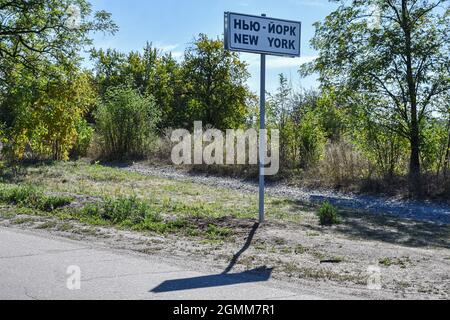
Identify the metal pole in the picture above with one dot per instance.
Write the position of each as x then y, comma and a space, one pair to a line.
262, 140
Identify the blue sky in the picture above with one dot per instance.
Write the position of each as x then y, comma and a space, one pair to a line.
172, 25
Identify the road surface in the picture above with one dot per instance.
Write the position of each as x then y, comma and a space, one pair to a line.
35, 266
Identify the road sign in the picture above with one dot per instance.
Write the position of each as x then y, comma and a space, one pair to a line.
266, 36
260, 34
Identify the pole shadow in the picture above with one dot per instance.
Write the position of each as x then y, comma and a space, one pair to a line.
225, 278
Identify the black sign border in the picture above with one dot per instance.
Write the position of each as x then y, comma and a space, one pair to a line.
227, 36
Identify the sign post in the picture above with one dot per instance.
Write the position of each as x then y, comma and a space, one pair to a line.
262, 137
265, 36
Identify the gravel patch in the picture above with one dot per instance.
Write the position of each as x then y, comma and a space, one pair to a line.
405, 209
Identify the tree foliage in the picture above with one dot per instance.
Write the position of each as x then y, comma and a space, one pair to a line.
43, 93
42, 115
216, 90
36, 33
393, 53
207, 85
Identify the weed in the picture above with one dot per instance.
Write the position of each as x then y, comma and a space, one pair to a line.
47, 225
328, 214
51, 203
126, 211
401, 262
299, 249
22, 220
387, 262
65, 227
214, 232
162, 226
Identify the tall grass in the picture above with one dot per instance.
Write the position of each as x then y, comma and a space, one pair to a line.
29, 196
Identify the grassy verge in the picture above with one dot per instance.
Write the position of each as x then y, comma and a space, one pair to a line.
31, 197
136, 202
212, 224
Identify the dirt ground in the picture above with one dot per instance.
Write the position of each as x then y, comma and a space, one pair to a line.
412, 258
422, 210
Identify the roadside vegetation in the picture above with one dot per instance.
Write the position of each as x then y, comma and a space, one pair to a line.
189, 220
327, 214
29, 196
378, 124
99, 195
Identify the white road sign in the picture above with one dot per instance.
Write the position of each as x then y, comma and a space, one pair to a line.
264, 35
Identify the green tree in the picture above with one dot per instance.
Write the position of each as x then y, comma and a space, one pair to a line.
395, 51
43, 93
150, 73
43, 114
109, 69
216, 92
168, 89
35, 33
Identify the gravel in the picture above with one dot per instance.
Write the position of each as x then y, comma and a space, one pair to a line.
406, 209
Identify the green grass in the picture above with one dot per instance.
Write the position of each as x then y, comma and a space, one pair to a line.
124, 210
22, 220
214, 232
47, 225
140, 215
176, 197
31, 197
134, 201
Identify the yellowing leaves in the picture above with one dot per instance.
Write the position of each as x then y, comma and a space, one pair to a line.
48, 125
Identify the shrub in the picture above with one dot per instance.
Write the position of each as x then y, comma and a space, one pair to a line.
126, 122
328, 214
92, 210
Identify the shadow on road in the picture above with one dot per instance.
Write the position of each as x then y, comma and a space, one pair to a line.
223, 279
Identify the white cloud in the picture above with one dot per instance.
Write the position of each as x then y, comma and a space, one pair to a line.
165, 47
170, 48
177, 54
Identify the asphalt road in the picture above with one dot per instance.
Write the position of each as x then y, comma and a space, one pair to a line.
35, 266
